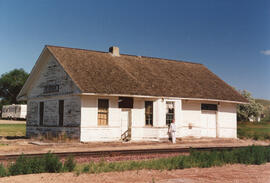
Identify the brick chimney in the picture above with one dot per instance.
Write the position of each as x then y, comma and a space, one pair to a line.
114, 50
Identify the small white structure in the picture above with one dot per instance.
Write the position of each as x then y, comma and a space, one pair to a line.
108, 96
254, 119
15, 111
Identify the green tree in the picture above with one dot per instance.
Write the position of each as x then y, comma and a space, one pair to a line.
10, 85
246, 111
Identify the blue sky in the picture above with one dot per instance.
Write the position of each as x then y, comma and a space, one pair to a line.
230, 37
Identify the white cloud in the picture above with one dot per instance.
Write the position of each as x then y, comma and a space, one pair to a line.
265, 52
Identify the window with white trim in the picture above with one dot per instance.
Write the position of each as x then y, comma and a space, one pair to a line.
148, 113
169, 112
103, 108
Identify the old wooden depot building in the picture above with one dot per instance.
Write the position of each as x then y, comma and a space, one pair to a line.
107, 96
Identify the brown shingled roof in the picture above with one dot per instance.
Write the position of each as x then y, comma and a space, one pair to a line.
102, 73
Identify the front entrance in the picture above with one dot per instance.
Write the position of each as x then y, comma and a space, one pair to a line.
209, 119
125, 123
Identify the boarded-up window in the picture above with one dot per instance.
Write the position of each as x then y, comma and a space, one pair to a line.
210, 107
103, 106
125, 102
51, 87
41, 112
61, 112
169, 112
149, 113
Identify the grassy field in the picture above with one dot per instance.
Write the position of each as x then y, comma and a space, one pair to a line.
266, 110
256, 131
12, 129
263, 102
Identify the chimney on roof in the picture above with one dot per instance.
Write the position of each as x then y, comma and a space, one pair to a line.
114, 50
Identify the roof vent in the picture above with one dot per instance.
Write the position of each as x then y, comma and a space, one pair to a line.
114, 50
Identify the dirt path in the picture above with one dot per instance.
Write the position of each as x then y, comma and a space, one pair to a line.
19, 146
226, 174
25, 146
2, 121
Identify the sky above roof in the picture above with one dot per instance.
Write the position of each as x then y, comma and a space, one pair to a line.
231, 38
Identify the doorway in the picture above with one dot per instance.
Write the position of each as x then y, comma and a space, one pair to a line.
126, 122
209, 122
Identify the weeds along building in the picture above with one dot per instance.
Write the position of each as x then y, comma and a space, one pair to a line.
107, 96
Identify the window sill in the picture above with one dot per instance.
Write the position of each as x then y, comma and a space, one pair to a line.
149, 126
102, 126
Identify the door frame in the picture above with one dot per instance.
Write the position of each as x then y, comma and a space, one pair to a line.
129, 122
216, 122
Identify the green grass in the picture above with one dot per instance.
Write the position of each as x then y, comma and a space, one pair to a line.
12, 129
47, 163
256, 131
51, 163
249, 155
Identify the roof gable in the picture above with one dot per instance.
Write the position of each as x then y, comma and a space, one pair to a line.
47, 73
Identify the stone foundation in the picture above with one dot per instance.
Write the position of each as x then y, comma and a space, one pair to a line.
69, 132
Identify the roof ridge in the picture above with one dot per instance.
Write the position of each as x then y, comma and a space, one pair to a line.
75, 48
173, 60
159, 58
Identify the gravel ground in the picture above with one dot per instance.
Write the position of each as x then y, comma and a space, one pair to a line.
18, 146
225, 174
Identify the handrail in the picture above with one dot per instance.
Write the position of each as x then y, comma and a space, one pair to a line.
124, 135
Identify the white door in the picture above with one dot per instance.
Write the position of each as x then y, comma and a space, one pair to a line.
209, 120
125, 120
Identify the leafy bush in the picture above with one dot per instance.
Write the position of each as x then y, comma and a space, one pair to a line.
250, 110
69, 164
86, 169
47, 163
52, 163
21, 166
3, 171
